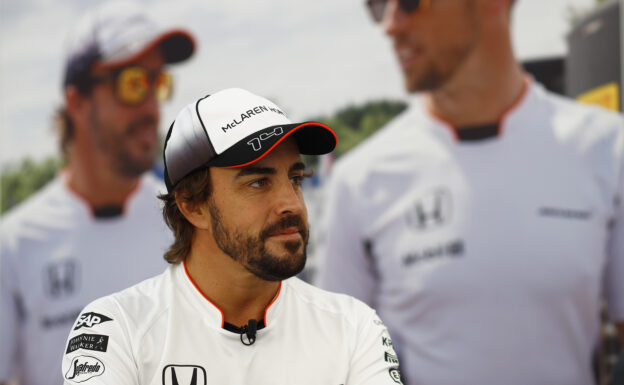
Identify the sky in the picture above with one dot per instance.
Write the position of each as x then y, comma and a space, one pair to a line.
310, 57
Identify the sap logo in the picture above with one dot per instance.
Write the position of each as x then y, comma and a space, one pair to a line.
430, 211
256, 143
183, 375
61, 279
91, 319
84, 368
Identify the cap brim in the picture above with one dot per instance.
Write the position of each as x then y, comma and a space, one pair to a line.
312, 139
176, 45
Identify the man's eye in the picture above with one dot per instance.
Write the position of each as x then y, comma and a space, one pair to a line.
258, 183
296, 180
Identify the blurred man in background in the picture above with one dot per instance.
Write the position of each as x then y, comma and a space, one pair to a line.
486, 222
96, 228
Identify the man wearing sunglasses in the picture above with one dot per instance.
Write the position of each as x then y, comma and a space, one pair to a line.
95, 228
486, 223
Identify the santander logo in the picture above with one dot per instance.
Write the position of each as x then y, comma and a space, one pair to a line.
83, 368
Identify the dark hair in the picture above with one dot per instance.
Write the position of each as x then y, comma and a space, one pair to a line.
64, 126
61, 120
194, 188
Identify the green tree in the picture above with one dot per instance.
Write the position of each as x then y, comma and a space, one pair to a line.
22, 180
355, 123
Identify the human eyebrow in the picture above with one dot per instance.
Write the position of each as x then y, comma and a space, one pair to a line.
297, 167
255, 170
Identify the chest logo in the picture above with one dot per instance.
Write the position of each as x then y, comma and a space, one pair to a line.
431, 210
61, 279
183, 375
91, 319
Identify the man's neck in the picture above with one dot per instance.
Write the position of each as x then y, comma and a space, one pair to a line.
239, 294
98, 184
483, 89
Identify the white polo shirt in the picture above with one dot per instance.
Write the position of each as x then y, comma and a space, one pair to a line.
487, 259
163, 331
56, 257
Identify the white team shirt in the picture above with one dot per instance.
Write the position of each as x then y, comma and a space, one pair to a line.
486, 259
56, 257
163, 331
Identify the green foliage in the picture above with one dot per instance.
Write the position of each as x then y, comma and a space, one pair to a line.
355, 123
21, 180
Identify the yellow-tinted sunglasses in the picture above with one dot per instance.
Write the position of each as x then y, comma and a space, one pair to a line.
133, 84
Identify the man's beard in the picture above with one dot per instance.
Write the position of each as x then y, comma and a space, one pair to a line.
114, 146
250, 250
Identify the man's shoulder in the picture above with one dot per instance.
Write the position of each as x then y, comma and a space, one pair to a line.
137, 304
390, 142
51, 199
341, 306
571, 114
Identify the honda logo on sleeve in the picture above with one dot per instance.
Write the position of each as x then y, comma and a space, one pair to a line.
184, 375
431, 210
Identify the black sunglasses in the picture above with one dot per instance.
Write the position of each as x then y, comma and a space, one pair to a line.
377, 8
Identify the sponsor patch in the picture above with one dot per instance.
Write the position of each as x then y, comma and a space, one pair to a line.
386, 341
431, 211
91, 319
391, 358
60, 279
183, 375
95, 342
83, 368
395, 375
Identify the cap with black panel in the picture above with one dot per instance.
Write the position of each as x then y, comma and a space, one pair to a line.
235, 128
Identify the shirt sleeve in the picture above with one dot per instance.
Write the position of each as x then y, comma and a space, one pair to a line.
614, 274
99, 347
345, 265
374, 360
9, 311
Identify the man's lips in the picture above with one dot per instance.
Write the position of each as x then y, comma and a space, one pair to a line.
287, 232
407, 55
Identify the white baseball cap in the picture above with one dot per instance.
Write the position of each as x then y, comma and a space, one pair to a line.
234, 128
116, 34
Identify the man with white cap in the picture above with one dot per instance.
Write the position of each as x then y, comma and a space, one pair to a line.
229, 309
95, 228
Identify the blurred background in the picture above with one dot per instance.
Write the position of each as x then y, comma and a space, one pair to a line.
314, 58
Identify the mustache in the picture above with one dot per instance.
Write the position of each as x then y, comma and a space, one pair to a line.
135, 125
284, 223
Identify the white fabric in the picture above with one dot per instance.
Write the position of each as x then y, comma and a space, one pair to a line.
486, 259
233, 114
165, 325
56, 257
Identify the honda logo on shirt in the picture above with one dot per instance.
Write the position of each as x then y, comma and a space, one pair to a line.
431, 210
184, 375
61, 278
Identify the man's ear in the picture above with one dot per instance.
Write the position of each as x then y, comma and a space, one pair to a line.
197, 214
77, 106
